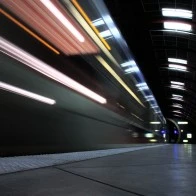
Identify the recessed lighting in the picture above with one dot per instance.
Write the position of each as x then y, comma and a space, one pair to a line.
189, 135
176, 111
182, 122
179, 96
177, 83
152, 140
155, 122
176, 106
98, 22
174, 60
105, 33
128, 63
177, 87
177, 26
132, 69
156, 106
177, 67
180, 13
26, 93
149, 135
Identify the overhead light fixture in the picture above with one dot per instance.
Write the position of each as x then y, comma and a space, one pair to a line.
152, 140
179, 13
156, 106
149, 96
177, 83
149, 135
150, 99
177, 115
155, 122
176, 106
98, 22
26, 93
142, 86
132, 70
177, 67
117, 77
185, 141
177, 26
189, 135
128, 63
54, 10
174, 60
105, 33
176, 111
38, 65
179, 96
177, 87
182, 122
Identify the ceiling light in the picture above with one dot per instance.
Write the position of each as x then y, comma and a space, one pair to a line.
106, 33
155, 122
149, 135
176, 106
189, 135
177, 13
182, 122
143, 84
174, 60
26, 93
179, 96
185, 141
98, 22
156, 106
177, 83
176, 111
150, 99
177, 87
177, 26
177, 67
128, 63
54, 10
148, 96
152, 140
38, 65
132, 70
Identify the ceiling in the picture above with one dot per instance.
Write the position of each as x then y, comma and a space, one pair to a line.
141, 24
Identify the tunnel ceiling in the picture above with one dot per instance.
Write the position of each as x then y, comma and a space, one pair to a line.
142, 25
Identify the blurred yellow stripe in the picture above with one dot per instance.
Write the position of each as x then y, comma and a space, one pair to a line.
75, 3
117, 77
28, 31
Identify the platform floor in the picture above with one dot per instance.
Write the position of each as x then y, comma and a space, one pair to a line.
164, 170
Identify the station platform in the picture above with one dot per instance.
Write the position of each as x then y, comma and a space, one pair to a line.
141, 170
